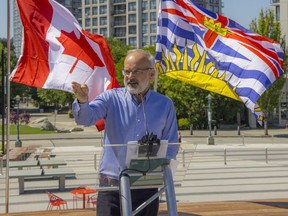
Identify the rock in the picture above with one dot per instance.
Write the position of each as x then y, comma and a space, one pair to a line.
39, 120
47, 125
63, 130
77, 129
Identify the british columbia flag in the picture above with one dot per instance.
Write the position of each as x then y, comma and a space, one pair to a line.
213, 52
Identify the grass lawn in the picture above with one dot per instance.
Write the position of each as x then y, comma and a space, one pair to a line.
25, 129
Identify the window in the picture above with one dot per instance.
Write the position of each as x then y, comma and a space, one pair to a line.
119, 21
144, 17
132, 6
132, 18
153, 16
87, 22
144, 29
152, 4
152, 40
87, 11
103, 21
95, 31
95, 21
102, 1
103, 9
132, 30
144, 5
153, 28
145, 41
120, 32
95, 10
132, 41
103, 31
119, 9
87, 2
94, 2
277, 12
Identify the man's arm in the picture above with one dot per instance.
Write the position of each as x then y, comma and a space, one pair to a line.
171, 133
86, 113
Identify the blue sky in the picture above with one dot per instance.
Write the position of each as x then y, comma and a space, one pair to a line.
244, 11
241, 11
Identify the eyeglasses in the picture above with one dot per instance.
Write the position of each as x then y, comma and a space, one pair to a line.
134, 72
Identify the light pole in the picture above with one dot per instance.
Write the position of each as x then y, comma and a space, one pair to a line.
18, 142
210, 137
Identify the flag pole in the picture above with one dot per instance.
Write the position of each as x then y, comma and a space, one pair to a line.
156, 71
8, 108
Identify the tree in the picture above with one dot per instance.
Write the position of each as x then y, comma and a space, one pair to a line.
119, 52
15, 88
267, 26
54, 97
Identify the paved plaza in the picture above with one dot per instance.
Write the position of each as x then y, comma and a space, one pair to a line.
238, 167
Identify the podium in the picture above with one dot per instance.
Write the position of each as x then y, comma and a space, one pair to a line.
158, 175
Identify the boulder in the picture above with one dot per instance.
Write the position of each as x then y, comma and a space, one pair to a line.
77, 129
47, 125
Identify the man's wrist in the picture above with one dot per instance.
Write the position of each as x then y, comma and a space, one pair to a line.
81, 102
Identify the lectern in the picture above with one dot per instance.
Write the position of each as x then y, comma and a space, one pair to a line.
158, 175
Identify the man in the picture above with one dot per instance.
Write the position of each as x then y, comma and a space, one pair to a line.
129, 113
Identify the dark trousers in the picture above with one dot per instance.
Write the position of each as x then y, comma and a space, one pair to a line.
108, 202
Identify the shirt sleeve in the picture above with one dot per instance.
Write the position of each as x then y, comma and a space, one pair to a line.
88, 114
171, 133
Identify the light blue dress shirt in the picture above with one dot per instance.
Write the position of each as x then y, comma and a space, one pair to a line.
126, 120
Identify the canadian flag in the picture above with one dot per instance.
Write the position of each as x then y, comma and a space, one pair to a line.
57, 51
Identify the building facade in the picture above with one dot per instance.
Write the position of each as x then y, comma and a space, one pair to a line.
280, 8
134, 22
74, 6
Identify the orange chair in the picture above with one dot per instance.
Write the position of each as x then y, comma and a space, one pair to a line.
55, 201
92, 200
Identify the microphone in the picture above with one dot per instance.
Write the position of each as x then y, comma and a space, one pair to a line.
149, 143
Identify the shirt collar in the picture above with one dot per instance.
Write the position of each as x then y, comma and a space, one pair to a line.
145, 97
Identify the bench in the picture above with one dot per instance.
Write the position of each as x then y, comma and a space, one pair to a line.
53, 163
23, 175
34, 163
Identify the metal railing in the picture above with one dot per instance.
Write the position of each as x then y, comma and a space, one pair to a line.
252, 154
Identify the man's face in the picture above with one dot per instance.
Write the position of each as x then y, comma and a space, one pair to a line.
137, 73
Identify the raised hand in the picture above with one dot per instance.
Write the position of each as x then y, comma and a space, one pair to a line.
81, 92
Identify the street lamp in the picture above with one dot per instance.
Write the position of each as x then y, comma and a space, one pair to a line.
18, 142
210, 137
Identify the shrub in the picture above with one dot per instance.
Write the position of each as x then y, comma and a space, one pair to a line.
70, 114
183, 124
13, 117
24, 117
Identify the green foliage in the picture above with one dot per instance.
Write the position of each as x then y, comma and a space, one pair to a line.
70, 114
267, 26
183, 124
119, 51
191, 103
54, 97
15, 88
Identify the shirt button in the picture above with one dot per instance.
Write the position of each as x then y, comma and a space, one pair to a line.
138, 120
137, 135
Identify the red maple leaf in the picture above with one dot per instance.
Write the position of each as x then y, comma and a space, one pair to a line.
80, 49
